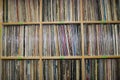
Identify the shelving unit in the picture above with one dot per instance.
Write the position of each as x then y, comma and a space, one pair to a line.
83, 57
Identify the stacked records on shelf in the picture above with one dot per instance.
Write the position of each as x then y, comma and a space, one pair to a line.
61, 40
62, 70
61, 10
20, 70
21, 11
102, 39
102, 69
22, 40
101, 10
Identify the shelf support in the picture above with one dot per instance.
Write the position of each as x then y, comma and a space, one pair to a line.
40, 42
82, 34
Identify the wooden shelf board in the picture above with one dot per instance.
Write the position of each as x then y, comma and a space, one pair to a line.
62, 57
100, 57
62, 22
19, 58
20, 23
58, 22
101, 22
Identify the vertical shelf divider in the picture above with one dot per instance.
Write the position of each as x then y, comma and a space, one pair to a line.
40, 41
82, 34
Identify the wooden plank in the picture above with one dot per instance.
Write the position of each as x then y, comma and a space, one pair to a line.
82, 34
62, 22
20, 23
83, 68
40, 42
61, 57
19, 58
93, 22
101, 57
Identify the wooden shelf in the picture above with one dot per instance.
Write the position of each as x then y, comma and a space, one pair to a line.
100, 57
96, 22
62, 22
20, 23
62, 57
59, 22
40, 23
19, 58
